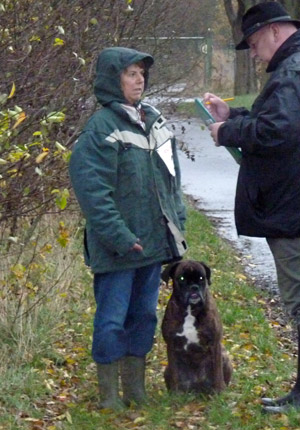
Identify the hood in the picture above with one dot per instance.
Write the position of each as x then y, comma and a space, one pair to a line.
111, 62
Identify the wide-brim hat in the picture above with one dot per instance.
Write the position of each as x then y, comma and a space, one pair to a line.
260, 15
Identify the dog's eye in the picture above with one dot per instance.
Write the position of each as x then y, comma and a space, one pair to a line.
201, 278
181, 278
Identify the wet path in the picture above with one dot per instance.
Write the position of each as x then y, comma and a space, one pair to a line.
211, 180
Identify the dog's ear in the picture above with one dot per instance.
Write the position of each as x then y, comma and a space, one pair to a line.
207, 272
169, 271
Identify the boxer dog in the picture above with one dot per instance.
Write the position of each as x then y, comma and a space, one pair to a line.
192, 330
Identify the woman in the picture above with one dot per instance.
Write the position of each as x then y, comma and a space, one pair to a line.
125, 174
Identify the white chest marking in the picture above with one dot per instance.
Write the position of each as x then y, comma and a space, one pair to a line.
189, 329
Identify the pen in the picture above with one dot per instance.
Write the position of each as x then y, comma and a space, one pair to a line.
224, 100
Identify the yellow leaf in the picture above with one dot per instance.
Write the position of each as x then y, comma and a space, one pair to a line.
285, 420
245, 335
18, 270
13, 172
59, 146
261, 301
58, 42
20, 119
60, 417
105, 411
258, 390
41, 157
251, 359
12, 91
139, 420
248, 346
35, 38
241, 276
274, 323
32, 420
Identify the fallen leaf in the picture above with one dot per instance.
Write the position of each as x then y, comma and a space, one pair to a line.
21, 118
12, 91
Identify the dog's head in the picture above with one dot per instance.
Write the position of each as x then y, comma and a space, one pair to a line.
190, 281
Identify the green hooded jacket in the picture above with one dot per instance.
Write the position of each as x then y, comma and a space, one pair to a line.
126, 178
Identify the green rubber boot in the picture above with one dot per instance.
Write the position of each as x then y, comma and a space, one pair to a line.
133, 380
108, 379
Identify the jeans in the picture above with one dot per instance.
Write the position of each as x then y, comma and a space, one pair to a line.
125, 318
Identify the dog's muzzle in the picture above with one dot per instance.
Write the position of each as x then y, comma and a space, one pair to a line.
195, 295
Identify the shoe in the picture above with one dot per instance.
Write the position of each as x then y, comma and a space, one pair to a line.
133, 380
283, 404
108, 379
291, 398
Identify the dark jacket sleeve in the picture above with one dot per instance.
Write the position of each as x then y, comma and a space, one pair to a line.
93, 172
238, 111
272, 125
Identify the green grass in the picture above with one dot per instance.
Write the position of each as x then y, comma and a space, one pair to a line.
188, 108
58, 389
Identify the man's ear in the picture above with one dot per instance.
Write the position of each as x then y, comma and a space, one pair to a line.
276, 31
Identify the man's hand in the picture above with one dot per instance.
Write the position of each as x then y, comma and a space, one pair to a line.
214, 128
216, 106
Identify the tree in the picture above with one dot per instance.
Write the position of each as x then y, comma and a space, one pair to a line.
293, 7
245, 73
246, 78
47, 55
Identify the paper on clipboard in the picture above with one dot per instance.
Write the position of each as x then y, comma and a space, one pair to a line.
208, 119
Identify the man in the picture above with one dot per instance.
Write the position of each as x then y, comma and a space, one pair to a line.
125, 173
267, 202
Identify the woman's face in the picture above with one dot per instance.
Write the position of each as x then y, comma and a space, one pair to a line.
133, 82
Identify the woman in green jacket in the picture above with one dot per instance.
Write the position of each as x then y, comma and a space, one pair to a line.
125, 174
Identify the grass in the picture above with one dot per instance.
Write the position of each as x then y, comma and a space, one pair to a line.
57, 389
188, 108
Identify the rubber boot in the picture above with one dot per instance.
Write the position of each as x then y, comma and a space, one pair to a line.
108, 379
291, 399
133, 380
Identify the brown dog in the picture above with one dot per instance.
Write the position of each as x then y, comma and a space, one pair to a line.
192, 330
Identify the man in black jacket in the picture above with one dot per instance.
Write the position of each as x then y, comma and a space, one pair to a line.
267, 202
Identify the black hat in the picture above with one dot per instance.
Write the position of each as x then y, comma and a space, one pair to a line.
260, 15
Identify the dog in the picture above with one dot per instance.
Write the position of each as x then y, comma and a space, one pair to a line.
192, 330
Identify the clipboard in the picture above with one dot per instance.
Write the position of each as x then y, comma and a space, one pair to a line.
208, 119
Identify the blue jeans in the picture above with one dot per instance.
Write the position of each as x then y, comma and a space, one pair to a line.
125, 318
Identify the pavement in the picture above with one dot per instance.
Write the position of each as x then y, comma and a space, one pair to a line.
209, 175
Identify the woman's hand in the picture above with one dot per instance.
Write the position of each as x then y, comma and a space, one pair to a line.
137, 247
